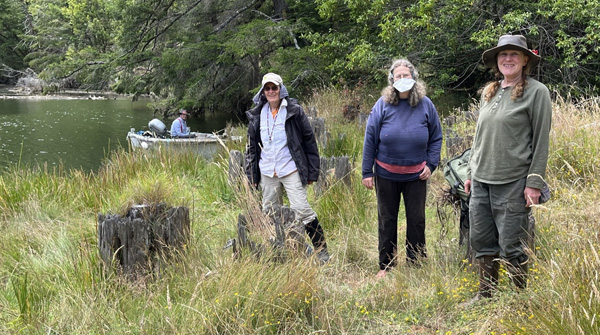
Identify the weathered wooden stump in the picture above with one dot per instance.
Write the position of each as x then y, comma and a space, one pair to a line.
333, 169
236, 167
455, 144
277, 228
363, 118
148, 233
311, 111
318, 126
350, 112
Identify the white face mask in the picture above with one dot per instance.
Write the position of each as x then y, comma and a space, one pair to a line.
404, 84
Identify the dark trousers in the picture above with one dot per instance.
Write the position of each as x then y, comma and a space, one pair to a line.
388, 204
499, 220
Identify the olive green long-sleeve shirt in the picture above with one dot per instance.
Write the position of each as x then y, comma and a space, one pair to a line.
512, 137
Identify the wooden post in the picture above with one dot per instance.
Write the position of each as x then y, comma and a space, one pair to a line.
311, 111
318, 126
236, 167
456, 144
363, 118
350, 112
332, 170
146, 234
284, 234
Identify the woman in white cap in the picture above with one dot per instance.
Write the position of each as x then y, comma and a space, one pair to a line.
508, 162
401, 150
282, 153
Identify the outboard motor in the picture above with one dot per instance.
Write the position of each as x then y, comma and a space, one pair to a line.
158, 128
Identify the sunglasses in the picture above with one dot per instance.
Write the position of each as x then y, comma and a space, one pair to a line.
273, 88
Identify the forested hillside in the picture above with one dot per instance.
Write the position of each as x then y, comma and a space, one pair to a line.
210, 54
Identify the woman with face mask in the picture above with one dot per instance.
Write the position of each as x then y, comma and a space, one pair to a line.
402, 147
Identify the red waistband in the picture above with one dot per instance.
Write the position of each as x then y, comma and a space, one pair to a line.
401, 169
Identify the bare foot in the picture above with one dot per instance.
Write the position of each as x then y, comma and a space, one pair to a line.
381, 274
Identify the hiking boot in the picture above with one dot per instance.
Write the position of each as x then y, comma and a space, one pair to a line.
309, 251
316, 234
323, 256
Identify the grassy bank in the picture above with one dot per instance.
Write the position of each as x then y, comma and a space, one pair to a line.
52, 280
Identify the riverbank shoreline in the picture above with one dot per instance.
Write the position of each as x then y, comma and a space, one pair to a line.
16, 93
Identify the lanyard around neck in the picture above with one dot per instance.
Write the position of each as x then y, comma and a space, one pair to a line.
271, 129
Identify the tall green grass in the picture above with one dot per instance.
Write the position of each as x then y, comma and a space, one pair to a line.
52, 280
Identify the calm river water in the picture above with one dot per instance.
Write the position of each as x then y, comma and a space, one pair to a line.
78, 133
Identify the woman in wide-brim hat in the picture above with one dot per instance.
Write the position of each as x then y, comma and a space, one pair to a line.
508, 161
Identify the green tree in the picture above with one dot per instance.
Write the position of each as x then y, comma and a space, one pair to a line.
570, 44
70, 41
445, 38
12, 49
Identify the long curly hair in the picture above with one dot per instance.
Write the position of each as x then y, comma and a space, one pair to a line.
392, 96
490, 89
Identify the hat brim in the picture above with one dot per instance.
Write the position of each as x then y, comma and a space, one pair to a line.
262, 87
489, 56
270, 81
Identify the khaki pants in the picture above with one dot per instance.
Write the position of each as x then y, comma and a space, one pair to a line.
272, 190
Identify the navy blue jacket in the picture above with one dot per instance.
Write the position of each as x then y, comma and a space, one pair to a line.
300, 141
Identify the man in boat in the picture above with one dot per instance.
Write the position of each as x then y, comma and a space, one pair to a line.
179, 127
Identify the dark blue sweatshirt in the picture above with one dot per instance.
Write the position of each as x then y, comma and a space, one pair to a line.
401, 135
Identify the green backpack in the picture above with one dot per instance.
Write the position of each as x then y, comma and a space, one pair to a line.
455, 173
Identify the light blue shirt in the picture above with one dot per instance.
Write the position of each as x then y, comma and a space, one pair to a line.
179, 128
275, 157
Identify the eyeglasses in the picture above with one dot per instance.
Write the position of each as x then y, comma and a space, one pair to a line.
273, 88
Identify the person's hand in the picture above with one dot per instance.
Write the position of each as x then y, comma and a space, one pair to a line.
368, 182
310, 182
425, 174
532, 196
468, 186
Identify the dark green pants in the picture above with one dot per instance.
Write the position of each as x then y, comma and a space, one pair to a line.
499, 220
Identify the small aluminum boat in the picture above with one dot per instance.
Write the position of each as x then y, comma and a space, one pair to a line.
204, 144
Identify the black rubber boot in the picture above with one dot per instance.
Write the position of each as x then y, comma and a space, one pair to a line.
488, 275
518, 273
317, 237
488, 279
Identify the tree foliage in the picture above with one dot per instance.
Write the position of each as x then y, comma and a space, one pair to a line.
12, 50
211, 54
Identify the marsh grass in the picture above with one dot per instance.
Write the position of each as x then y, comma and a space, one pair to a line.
52, 280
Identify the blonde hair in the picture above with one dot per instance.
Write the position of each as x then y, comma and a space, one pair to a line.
392, 96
